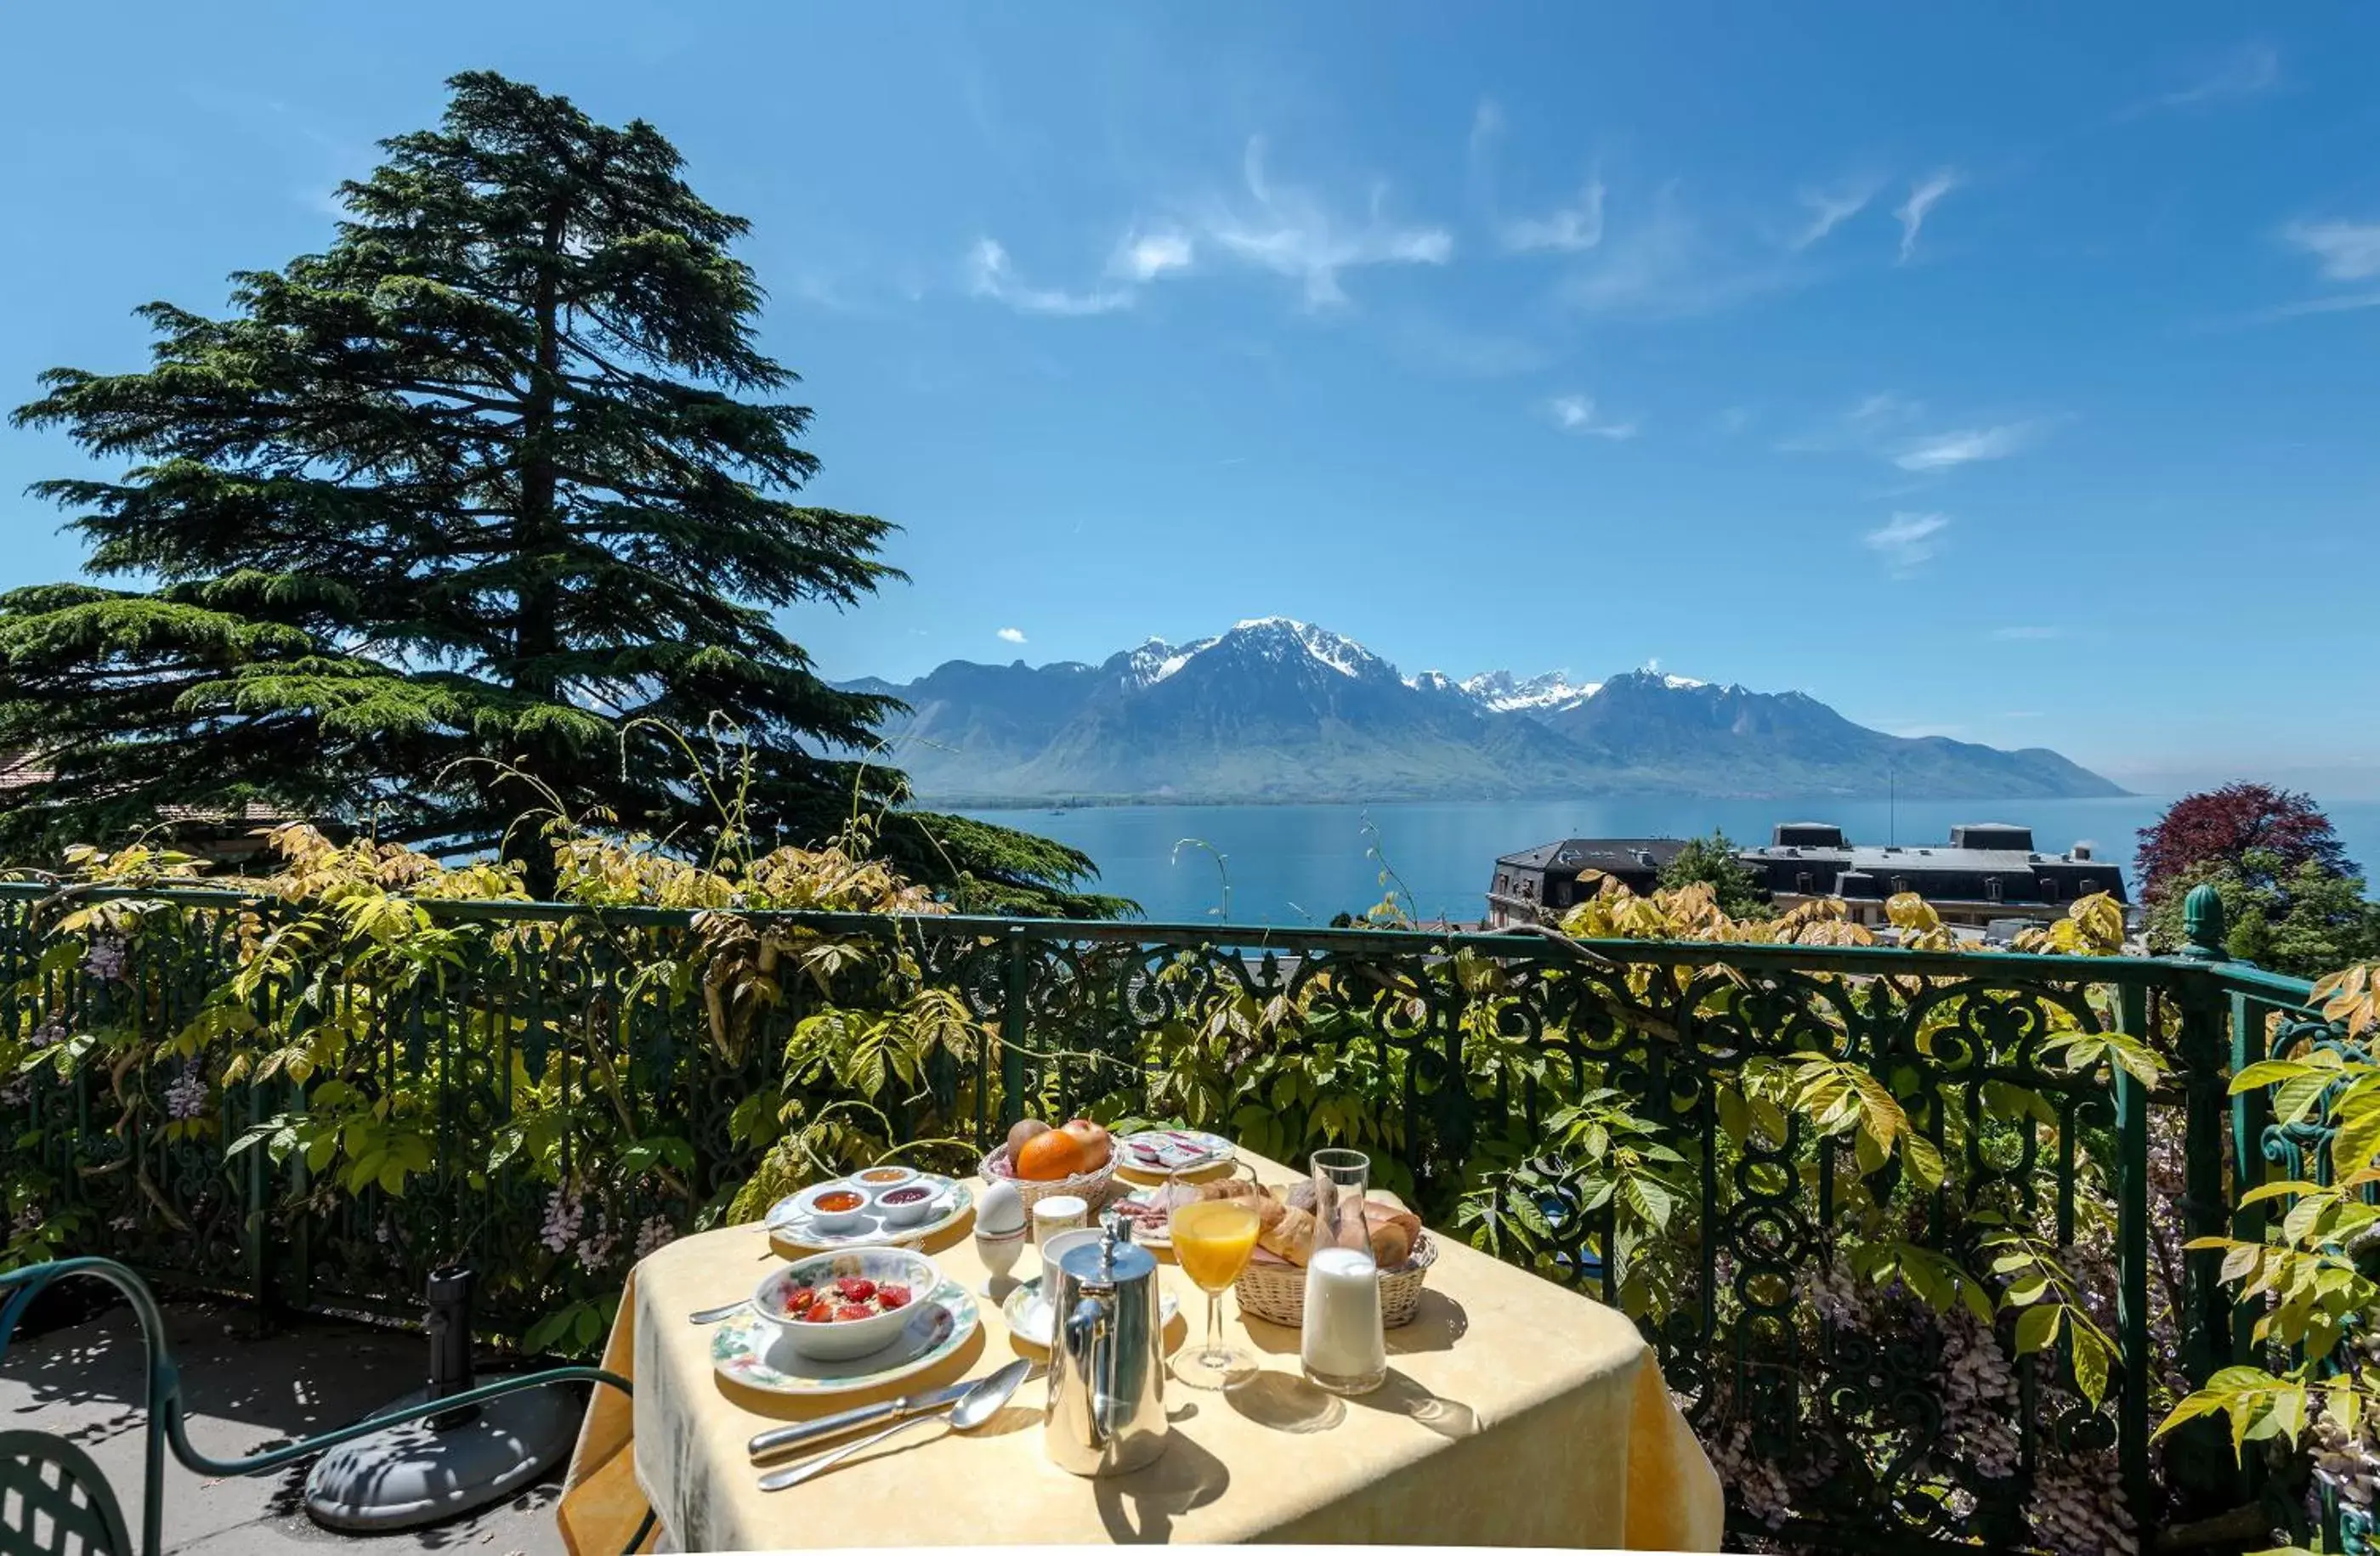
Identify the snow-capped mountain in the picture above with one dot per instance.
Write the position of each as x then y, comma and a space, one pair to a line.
1280, 709
1498, 692
1268, 639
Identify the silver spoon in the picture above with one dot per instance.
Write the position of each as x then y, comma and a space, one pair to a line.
978, 1404
713, 1315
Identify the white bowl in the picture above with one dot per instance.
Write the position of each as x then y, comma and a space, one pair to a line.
807, 1203
840, 1342
883, 1177
916, 1210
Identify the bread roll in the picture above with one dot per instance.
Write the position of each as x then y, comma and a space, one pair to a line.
1286, 1230
1394, 1233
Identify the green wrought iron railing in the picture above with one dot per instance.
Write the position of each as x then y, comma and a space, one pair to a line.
1870, 1435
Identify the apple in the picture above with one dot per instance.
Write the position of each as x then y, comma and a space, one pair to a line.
1093, 1141
1019, 1132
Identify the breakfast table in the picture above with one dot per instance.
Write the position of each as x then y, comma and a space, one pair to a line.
1516, 1412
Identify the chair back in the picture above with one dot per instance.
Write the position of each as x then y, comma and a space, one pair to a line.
55, 1502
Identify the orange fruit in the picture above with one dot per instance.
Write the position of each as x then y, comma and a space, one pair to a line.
1050, 1156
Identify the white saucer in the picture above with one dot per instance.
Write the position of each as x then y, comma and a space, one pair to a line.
1031, 1320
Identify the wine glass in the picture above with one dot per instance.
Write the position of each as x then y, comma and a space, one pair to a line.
1212, 1242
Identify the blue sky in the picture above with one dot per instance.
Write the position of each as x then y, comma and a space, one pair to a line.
2005, 372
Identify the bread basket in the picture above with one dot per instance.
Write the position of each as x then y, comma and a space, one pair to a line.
1275, 1292
1095, 1189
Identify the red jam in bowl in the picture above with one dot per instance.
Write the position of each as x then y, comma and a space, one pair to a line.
909, 1196
841, 1199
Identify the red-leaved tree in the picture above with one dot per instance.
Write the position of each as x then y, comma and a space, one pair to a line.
2222, 825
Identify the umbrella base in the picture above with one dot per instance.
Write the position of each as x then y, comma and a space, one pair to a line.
409, 1475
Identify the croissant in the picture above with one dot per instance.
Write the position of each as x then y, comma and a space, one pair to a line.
1288, 1229
1284, 1230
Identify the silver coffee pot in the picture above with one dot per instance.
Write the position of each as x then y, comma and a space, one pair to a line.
1107, 1358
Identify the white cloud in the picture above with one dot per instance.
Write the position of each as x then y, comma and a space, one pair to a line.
1290, 233
1884, 410
1486, 123
2027, 634
2347, 251
1576, 413
2348, 302
2248, 70
1010, 634
1829, 209
1568, 230
1923, 197
1945, 450
1670, 266
1908, 541
1864, 428
989, 274
1143, 256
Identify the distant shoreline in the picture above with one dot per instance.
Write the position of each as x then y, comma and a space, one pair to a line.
1073, 802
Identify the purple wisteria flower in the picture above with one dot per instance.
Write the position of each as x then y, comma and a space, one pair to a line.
105, 958
563, 1211
187, 1097
655, 1231
595, 1248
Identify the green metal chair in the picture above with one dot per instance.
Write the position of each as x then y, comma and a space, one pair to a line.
54, 1500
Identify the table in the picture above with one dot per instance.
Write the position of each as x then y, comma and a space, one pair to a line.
1516, 1412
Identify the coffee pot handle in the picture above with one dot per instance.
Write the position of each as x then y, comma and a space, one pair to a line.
1090, 1347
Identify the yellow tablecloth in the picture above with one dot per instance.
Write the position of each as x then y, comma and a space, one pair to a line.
1516, 1412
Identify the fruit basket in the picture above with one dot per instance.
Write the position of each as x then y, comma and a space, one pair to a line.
1095, 1187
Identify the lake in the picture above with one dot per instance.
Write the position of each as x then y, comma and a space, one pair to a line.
1294, 865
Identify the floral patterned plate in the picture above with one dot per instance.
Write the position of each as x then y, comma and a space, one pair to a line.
789, 1226
750, 1350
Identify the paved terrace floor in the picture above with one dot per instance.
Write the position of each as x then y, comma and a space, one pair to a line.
244, 1394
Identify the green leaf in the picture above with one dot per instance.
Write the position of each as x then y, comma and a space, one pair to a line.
1924, 1161
2358, 1138
2277, 1190
2093, 1357
2037, 1329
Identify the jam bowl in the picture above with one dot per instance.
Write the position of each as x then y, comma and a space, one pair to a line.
883, 1175
838, 1206
905, 1204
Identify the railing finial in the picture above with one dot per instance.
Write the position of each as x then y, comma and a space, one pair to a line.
2202, 924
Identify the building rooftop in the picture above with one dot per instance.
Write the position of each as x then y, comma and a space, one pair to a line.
1594, 853
1909, 859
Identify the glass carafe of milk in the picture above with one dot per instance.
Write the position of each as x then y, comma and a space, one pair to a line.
1342, 1343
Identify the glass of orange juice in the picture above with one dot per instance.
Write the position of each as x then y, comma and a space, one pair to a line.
1212, 1242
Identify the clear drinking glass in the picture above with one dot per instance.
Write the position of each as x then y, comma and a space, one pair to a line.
1212, 1242
1342, 1342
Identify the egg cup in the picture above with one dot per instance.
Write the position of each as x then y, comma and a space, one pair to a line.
1000, 1252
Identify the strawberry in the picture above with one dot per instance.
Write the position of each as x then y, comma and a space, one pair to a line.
819, 1313
853, 1289
851, 1310
889, 1297
799, 1299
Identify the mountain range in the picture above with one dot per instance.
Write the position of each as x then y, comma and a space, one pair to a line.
1277, 710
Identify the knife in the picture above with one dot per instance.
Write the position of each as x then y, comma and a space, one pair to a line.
778, 1441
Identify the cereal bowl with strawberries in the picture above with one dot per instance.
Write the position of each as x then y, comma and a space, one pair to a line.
837, 1306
